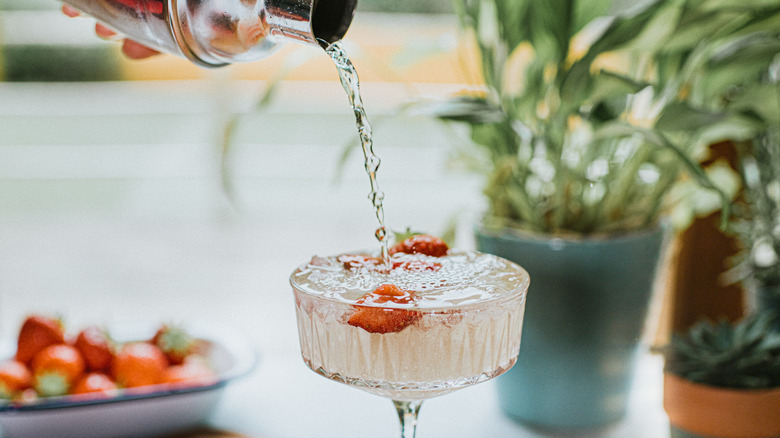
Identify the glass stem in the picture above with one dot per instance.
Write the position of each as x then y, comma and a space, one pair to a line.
407, 414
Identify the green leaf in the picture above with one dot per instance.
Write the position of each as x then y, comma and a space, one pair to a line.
513, 24
585, 11
682, 117
499, 139
607, 85
620, 129
620, 32
761, 99
553, 21
766, 21
655, 27
400, 236
715, 5
754, 48
467, 109
693, 32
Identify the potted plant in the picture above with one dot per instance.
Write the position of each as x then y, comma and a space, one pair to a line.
742, 76
757, 223
723, 380
589, 126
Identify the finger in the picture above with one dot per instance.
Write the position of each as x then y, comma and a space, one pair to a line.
134, 50
104, 32
69, 11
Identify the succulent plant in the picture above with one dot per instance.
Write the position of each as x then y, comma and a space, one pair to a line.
743, 355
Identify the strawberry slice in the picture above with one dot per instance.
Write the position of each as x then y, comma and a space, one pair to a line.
421, 244
383, 319
37, 333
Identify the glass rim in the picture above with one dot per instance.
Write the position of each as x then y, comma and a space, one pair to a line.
520, 291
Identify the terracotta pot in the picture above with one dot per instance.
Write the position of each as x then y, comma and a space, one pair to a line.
721, 412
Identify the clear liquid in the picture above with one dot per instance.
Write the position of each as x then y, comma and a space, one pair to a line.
351, 83
442, 352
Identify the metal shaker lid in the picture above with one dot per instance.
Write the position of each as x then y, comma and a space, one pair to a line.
331, 19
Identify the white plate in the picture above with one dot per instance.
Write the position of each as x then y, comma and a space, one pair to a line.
133, 413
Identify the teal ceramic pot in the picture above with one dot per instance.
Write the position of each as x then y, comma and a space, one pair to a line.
768, 300
584, 317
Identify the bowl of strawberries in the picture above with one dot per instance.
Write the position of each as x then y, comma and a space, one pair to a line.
130, 380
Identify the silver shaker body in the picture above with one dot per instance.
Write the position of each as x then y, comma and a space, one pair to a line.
217, 32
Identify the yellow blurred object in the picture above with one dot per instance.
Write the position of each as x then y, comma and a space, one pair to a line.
404, 48
160, 67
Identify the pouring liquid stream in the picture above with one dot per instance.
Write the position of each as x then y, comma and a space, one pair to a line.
350, 82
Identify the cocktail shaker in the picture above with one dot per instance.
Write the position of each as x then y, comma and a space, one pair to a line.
213, 33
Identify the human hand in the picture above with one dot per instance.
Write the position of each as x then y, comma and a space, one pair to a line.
130, 48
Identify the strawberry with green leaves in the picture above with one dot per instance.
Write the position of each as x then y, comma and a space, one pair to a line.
175, 342
56, 368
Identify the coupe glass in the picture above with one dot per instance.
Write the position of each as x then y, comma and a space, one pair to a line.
462, 328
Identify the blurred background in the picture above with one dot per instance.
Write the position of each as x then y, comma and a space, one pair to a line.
114, 171
158, 190
120, 202
116, 185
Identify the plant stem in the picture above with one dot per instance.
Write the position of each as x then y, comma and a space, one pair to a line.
407, 414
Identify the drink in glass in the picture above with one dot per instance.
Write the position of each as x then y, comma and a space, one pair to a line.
411, 327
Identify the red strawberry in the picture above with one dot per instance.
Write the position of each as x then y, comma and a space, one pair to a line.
95, 346
195, 371
98, 384
56, 368
382, 319
139, 364
37, 333
175, 342
421, 244
14, 378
